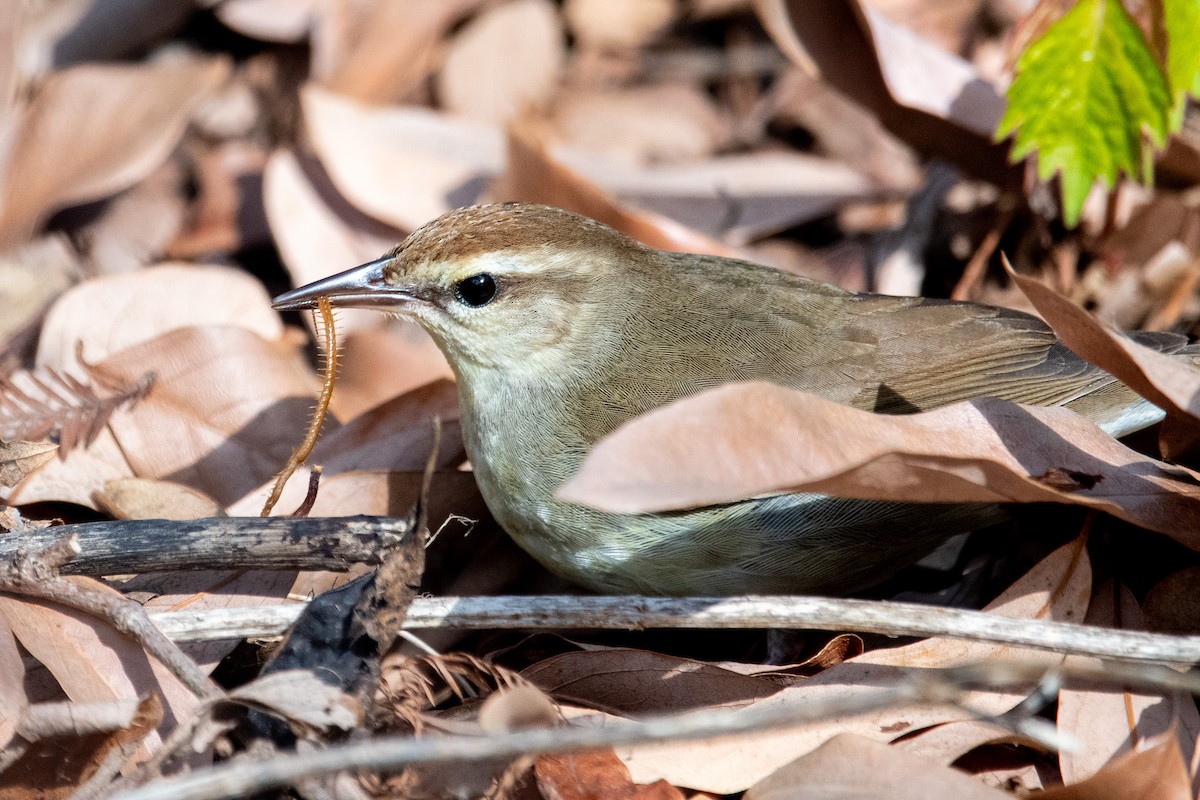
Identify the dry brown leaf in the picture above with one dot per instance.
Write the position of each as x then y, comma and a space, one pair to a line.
595, 774
302, 698
12, 688
667, 122
318, 232
395, 436
739, 197
1111, 722
402, 165
927, 97
146, 498
535, 176
30, 277
619, 24
508, 57
945, 744
105, 315
628, 681
136, 114
380, 52
77, 476
224, 414
57, 766
1165, 381
92, 661
271, 20
20, 459
1056, 588
853, 767
750, 439
1157, 772
1173, 604
377, 364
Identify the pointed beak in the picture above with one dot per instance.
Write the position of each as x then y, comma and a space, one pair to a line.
361, 287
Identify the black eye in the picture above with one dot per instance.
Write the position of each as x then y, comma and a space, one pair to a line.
477, 290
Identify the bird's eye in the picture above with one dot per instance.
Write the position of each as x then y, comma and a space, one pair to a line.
477, 290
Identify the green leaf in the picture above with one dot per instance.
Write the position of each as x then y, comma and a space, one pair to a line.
1086, 94
1182, 20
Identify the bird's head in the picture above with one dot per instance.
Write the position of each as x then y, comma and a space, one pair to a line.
497, 286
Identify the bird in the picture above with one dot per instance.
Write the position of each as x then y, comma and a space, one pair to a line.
560, 329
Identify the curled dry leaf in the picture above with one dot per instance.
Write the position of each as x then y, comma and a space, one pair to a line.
1110, 721
224, 413
506, 58
927, 97
642, 125
595, 773
105, 315
91, 660
619, 24
1156, 771
136, 114
536, 176
1162, 379
1057, 588
19, 459
749, 439
300, 697
146, 498
382, 52
402, 165
852, 766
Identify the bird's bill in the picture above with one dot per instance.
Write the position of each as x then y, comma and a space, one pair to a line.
361, 287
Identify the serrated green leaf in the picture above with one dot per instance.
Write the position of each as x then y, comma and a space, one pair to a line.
1182, 21
1085, 96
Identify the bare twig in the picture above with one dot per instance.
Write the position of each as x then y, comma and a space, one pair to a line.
390, 753
636, 613
326, 543
35, 574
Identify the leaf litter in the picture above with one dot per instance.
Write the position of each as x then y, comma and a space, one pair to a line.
203, 176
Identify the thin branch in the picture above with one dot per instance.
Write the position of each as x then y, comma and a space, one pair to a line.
391, 753
35, 574
785, 612
325, 543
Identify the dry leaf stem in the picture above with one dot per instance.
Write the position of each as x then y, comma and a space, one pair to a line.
787, 612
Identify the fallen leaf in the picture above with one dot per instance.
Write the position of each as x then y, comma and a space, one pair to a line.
224, 414
1162, 379
536, 176
930, 99
751, 439
850, 766
1157, 772
595, 774
619, 24
300, 697
12, 680
136, 114
507, 57
20, 459
382, 52
1108, 721
147, 498
270, 20
1057, 588
105, 315
402, 165
92, 661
